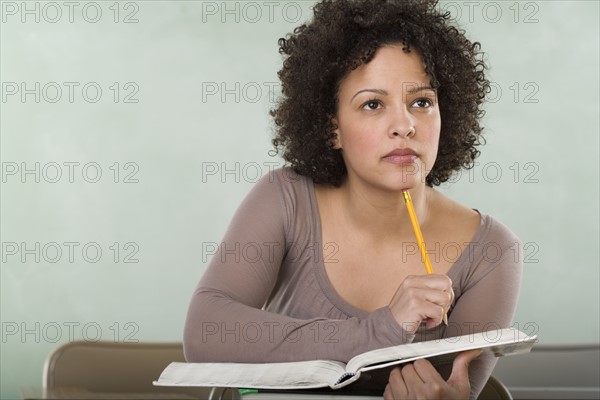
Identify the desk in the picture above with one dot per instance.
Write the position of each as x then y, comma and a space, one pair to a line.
81, 394
298, 396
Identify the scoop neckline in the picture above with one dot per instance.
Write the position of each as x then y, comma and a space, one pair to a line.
319, 266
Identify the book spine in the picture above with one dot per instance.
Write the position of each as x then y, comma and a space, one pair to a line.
345, 377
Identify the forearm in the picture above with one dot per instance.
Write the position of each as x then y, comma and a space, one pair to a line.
219, 329
488, 305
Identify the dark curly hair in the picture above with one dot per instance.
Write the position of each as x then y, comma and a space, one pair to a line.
345, 34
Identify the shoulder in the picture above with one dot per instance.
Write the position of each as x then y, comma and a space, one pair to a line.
485, 239
485, 228
495, 232
286, 179
494, 255
280, 181
289, 187
286, 193
495, 248
453, 221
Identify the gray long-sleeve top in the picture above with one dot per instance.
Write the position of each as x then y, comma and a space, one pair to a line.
266, 297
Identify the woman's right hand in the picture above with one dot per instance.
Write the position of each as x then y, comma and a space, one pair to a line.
422, 298
420, 380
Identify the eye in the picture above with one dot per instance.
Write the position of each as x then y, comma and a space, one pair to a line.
423, 103
372, 104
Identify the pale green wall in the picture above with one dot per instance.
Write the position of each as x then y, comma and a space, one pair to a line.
171, 56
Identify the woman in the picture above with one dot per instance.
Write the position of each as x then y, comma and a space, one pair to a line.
320, 260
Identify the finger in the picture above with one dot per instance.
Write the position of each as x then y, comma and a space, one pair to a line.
427, 311
450, 305
431, 308
427, 372
411, 378
459, 378
436, 317
396, 385
417, 295
434, 386
441, 298
432, 281
387, 393
414, 384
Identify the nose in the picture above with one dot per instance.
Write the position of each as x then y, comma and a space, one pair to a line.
401, 124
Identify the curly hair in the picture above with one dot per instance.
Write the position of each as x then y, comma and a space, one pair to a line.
345, 34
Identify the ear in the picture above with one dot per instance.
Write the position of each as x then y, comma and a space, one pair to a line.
337, 143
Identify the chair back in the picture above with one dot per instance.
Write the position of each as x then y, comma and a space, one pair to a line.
113, 367
107, 367
494, 390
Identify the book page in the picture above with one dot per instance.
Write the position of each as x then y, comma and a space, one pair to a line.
500, 342
303, 374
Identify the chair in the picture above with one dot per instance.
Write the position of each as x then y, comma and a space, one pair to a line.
553, 371
108, 367
494, 390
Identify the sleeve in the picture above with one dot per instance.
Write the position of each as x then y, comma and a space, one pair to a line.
489, 299
225, 320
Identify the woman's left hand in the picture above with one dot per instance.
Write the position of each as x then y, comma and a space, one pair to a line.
420, 380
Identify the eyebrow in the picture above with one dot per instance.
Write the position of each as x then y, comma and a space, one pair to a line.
378, 91
420, 88
411, 90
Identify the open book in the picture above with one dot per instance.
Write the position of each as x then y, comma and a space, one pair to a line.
335, 374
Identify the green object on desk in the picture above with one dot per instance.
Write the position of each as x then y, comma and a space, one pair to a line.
247, 391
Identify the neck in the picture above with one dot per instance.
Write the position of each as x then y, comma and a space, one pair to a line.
383, 213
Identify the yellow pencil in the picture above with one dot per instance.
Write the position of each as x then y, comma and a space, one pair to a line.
417, 229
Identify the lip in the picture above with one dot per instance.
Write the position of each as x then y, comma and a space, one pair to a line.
402, 152
401, 156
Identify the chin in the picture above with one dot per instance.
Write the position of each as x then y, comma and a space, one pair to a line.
399, 185
407, 182
407, 177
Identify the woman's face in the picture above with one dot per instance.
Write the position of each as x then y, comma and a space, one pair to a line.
388, 121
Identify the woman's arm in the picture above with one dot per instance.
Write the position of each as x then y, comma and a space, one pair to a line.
487, 302
225, 319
